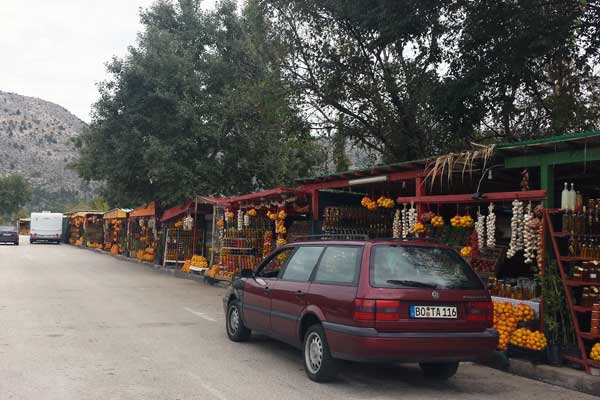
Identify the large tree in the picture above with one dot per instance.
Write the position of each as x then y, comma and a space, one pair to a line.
415, 78
198, 106
15, 192
371, 64
527, 67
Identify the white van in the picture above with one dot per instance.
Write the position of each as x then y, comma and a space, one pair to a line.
46, 227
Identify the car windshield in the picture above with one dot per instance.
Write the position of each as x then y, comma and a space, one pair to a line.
6, 228
420, 267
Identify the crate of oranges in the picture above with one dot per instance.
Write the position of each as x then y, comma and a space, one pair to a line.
595, 352
527, 344
507, 318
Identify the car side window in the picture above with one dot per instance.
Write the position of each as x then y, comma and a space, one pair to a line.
339, 264
273, 267
302, 263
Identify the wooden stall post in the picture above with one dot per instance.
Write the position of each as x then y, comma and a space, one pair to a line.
195, 225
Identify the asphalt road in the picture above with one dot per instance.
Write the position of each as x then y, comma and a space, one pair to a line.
76, 324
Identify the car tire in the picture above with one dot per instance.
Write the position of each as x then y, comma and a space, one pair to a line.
319, 364
236, 330
439, 371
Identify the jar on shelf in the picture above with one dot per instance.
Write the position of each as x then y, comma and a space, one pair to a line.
577, 273
585, 298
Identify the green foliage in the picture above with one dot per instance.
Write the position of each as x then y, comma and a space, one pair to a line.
557, 319
15, 192
198, 106
417, 78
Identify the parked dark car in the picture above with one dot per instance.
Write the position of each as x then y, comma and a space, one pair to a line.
9, 234
372, 301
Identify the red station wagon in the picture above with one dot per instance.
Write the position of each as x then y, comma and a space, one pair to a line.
372, 301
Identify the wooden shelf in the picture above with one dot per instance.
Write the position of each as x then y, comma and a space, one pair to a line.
582, 283
593, 363
589, 336
575, 259
554, 211
574, 359
568, 234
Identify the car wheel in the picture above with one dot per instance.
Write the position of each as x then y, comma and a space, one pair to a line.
319, 365
236, 330
439, 371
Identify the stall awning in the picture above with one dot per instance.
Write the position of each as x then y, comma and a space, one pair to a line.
147, 211
281, 194
117, 213
176, 211
383, 173
86, 213
189, 204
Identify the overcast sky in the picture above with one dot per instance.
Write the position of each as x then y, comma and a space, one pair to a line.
56, 49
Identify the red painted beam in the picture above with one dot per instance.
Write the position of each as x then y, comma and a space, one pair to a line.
468, 198
314, 200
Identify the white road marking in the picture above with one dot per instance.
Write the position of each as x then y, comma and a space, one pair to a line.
201, 315
209, 388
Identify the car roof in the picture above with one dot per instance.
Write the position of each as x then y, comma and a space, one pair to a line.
394, 242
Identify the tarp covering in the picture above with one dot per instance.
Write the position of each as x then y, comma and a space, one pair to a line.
176, 211
116, 213
86, 213
147, 211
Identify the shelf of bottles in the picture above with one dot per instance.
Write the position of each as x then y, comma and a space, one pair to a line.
355, 221
243, 248
577, 248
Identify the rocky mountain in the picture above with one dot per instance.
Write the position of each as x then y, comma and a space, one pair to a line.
36, 142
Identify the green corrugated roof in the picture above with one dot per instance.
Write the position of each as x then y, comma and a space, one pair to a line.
500, 146
550, 140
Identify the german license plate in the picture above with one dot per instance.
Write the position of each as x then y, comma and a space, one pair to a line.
438, 312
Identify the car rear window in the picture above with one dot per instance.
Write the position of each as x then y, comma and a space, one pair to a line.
8, 229
420, 267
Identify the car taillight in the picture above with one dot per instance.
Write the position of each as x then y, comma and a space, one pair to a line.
376, 310
364, 310
387, 310
480, 311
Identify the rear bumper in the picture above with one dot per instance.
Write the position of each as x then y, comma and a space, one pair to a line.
44, 238
367, 344
9, 239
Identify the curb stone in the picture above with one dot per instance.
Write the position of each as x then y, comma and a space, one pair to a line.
565, 377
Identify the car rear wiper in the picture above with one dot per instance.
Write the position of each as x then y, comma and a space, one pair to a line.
412, 283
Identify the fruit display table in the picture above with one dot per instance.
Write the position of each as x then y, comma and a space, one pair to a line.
533, 304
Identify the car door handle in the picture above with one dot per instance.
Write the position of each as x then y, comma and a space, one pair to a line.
300, 293
267, 290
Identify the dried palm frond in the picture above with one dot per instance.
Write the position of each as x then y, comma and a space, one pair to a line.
448, 163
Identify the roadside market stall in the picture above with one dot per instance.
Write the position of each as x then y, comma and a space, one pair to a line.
499, 206
360, 203
23, 226
115, 230
255, 224
143, 233
86, 229
568, 167
188, 231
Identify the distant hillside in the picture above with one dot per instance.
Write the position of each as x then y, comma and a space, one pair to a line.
35, 141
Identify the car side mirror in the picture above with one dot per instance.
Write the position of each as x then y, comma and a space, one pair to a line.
247, 273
